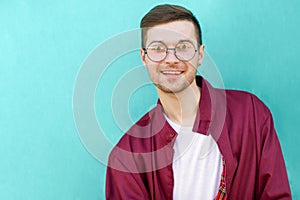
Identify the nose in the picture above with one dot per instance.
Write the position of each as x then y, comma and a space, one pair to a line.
171, 58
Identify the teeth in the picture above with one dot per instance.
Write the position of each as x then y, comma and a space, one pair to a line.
172, 72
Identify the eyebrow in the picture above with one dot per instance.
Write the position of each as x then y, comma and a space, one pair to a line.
156, 41
160, 41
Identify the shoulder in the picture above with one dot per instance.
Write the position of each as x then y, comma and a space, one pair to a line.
123, 153
234, 101
245, 102
139, 143
136, 138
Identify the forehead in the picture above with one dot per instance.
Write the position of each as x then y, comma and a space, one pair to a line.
172, 32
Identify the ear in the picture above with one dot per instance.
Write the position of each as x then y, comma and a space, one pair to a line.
143, 55
201, 54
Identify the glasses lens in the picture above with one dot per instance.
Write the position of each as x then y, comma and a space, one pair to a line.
185, 50
157, 51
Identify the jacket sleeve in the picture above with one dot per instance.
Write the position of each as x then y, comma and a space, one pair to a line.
273, 180
121, 183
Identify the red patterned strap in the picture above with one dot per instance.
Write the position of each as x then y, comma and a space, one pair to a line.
222, 189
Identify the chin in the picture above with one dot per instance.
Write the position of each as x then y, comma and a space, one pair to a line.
171, 89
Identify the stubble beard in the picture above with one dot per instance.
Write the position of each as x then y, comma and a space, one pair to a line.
175, 86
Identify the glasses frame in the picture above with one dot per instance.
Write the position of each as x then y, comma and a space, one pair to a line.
167, 51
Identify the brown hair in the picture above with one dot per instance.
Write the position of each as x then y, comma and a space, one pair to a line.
166, 13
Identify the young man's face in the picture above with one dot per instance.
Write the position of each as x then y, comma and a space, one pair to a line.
174, 73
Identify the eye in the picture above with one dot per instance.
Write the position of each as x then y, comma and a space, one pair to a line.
157, 47
183, 46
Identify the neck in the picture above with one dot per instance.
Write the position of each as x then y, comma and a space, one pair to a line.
181, 107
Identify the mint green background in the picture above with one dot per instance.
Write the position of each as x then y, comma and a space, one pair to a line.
255, 45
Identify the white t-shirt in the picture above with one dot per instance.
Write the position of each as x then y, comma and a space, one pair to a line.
197, 165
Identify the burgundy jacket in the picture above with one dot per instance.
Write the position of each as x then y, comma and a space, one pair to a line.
140, 166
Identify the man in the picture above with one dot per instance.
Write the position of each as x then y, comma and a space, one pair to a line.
199, 142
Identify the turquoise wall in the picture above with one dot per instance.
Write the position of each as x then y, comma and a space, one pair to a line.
254, 44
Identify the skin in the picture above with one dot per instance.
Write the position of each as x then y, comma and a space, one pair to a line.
174, 79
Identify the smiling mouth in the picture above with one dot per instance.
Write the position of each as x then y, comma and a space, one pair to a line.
172, 73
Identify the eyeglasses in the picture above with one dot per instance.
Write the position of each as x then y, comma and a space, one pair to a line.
184, 51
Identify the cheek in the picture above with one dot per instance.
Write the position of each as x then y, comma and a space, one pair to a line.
193, 66
152, 72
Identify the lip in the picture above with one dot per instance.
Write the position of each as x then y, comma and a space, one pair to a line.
172, 73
